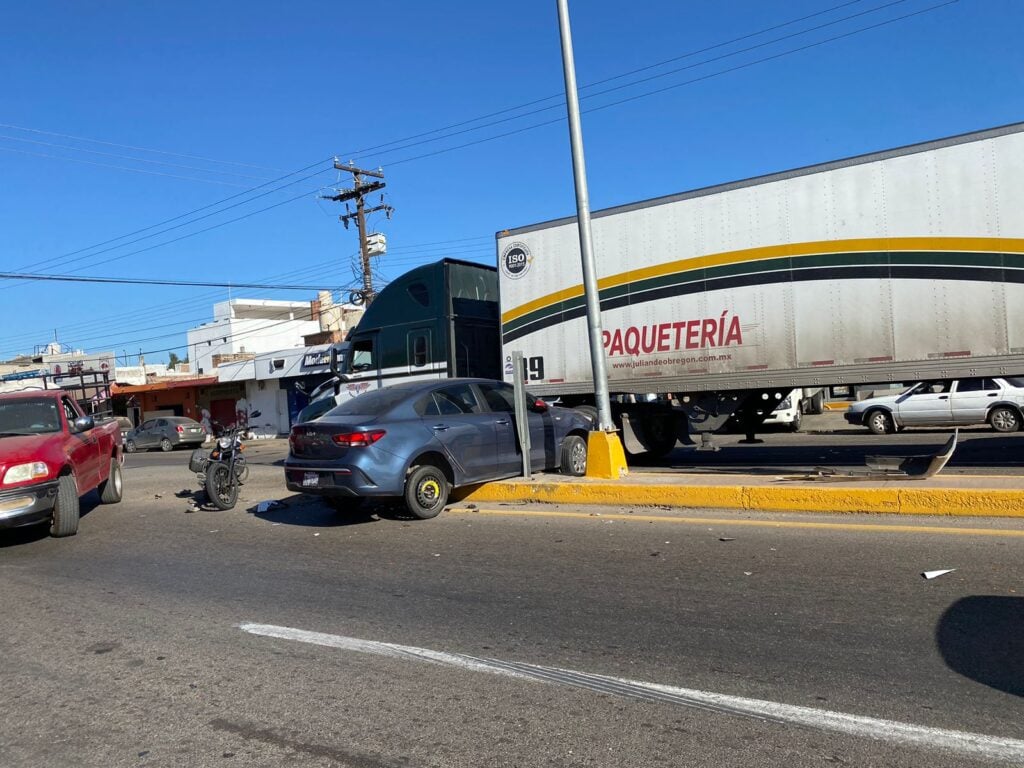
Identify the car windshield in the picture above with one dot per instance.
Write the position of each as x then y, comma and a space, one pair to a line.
372, 403
28, 417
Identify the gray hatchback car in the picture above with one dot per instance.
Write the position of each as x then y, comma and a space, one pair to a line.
417, 440
165, 433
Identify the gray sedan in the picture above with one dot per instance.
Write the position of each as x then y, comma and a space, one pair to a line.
165, 433
418, 440
997, 401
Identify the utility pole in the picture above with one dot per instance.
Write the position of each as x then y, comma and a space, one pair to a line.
360, 189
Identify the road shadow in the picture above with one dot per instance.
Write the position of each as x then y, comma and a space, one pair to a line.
312, 512
982, 637
30, 534
995, 451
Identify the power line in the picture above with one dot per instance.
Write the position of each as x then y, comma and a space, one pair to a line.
152, 281
127, 157
136, 148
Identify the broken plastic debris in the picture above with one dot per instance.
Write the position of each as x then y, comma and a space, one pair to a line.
936, 574
158, 495
263, 506
726, 538
748, 573
316, 534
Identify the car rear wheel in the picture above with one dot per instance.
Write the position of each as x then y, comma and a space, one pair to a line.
166, 445
1004, 419
111, 488
426, 491
880, 423
65, 510
129, 446
574, 456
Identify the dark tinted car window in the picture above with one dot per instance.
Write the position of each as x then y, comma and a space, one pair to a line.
970, 385
315, 410
499, 397
437, 404
458, 396
1015, 381
372, 403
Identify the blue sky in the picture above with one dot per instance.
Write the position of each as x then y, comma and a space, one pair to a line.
195, 103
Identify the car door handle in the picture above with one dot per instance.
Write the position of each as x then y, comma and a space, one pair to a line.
502, 421
992, 394
944, 397
440, 427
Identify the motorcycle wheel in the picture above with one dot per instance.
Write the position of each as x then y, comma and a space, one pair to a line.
241, 469
220, 486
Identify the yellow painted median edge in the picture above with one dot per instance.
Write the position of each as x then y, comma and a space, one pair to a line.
900, 501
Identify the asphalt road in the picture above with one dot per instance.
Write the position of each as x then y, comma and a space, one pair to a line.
158, 637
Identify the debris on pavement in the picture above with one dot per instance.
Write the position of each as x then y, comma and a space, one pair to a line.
726, 538
936, 574
268, 504
158, 495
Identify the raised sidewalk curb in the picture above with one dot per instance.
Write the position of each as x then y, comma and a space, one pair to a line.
977, 496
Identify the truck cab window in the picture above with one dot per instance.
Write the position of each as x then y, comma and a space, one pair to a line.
363, 358
419, 351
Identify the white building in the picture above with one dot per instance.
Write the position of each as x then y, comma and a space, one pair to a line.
249, 326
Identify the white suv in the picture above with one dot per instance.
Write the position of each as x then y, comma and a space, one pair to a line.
945, 402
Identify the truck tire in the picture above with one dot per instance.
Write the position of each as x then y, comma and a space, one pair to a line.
589, 412
815, 404
574, 456
221, 489
659, 435
65, 510
166, 445
111, 488
880, 422
1004, 419
426, 491
794, 425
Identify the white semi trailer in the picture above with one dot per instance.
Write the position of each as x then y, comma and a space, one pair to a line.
894, 266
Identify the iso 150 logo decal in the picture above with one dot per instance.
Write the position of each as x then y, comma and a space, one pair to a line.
516, 260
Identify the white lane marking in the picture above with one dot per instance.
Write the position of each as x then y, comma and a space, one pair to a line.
962, 742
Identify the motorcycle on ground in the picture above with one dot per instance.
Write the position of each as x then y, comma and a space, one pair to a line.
222, 470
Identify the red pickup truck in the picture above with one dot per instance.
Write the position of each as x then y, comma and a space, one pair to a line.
50, 455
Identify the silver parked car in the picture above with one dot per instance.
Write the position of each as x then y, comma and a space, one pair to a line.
997, 401
165, 433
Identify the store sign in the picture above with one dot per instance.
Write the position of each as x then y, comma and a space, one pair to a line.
317, 359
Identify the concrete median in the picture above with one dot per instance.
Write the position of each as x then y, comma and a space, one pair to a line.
979, 496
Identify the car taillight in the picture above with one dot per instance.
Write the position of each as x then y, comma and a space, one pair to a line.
358, 439
180, 429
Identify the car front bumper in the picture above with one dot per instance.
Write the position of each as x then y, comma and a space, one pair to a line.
27, 505
856, 418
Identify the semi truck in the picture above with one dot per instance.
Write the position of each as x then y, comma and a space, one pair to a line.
718, 302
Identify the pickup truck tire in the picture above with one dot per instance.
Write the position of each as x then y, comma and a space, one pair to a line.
65, 510
111, 488
166, 445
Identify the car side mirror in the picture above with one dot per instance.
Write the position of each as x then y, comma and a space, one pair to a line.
255, 415
82, 424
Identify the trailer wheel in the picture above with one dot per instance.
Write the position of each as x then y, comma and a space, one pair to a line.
815, 404
589, 412
880, 422
574, 456
426, 491
1004, 419
659, 434
111, 488
65, 510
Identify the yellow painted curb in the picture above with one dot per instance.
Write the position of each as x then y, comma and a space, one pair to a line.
901, 500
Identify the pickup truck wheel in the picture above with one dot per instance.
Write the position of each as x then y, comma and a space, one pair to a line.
166, 445
129, 446
426, 491
574, 456
110, 489
1004, 419
880, 423
794, 425
65, 510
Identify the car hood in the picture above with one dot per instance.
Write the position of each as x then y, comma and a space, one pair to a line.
863, 405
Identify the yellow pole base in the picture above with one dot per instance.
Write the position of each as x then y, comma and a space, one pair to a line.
605, 457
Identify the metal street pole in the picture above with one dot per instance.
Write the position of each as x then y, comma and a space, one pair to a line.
604, 409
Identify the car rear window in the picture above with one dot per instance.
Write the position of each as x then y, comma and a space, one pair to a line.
1015, 381
371, 403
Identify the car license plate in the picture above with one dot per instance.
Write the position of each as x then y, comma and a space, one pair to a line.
310, 479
